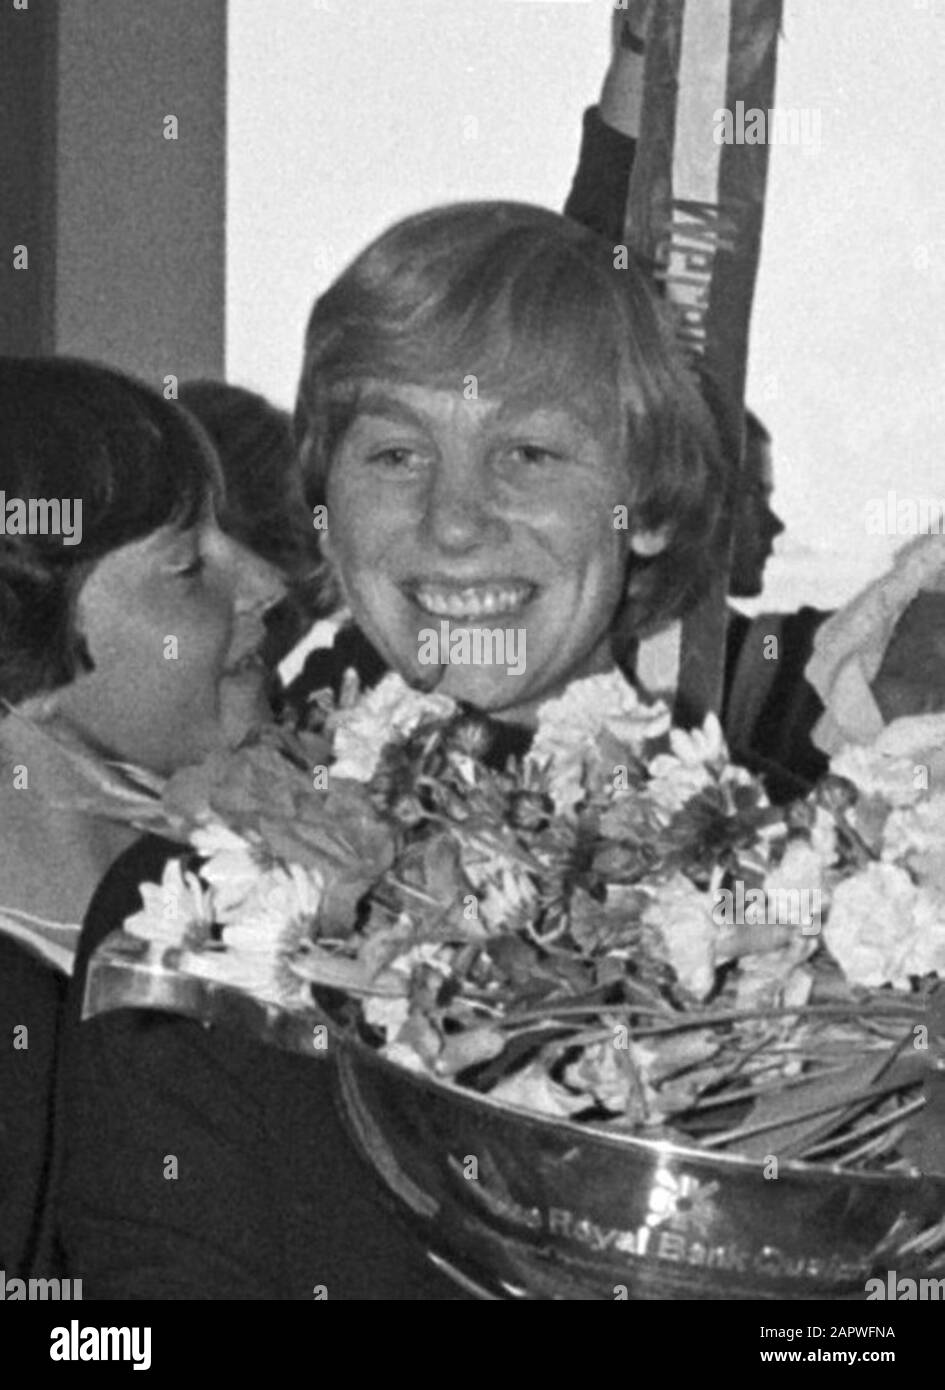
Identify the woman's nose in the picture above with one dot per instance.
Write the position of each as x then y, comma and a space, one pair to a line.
460, 512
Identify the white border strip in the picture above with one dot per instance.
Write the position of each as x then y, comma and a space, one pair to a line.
703, 78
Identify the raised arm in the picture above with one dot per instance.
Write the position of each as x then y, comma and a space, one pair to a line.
598, 196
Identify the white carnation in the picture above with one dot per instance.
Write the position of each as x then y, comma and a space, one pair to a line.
929, 957
570, 727
388, 1015
874, 929
683, 916
390, 711
800, 874
901, 763
917, 830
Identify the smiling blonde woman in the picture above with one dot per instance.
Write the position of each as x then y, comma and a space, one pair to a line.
494, 412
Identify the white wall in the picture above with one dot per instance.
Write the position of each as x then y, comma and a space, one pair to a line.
346, 114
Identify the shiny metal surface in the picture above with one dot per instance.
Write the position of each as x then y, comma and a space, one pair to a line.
520, 1206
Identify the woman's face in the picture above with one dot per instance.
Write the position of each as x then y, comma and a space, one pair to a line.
172, 623
479, 527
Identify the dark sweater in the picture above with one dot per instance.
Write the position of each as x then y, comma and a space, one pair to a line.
598, 197
31, 998
269, 1200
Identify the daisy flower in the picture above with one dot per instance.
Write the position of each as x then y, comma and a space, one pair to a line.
176, 912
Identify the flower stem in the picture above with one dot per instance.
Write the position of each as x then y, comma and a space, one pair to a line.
733, 1136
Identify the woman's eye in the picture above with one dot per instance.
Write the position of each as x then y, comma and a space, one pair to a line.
536, 454
196, 566
395, 457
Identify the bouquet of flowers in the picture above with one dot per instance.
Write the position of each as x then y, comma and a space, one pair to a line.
616, 927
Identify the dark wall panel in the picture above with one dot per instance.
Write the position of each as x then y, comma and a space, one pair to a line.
141, 218
125, 228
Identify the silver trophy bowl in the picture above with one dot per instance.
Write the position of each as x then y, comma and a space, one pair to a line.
515, 1205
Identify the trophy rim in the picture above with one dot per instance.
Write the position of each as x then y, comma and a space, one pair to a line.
807, 1172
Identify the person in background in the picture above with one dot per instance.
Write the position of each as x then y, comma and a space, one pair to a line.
264, 508
769, 708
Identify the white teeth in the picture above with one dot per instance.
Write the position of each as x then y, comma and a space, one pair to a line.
473, 603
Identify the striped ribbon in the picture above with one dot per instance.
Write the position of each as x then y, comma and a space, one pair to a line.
694, 211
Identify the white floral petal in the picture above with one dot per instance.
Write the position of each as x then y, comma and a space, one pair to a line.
391, 710
389, 1015
218, 838
873, 930
683, 916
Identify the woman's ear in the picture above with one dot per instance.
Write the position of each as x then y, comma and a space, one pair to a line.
649, 543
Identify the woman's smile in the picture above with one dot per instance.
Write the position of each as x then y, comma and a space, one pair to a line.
496, 599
